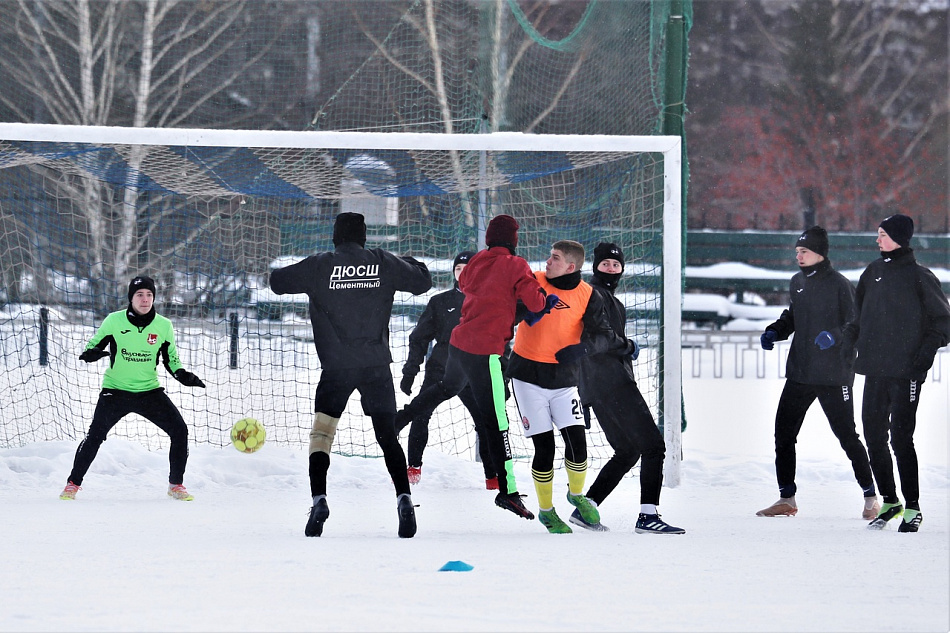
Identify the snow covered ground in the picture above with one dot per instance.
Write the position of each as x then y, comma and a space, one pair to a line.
124, 557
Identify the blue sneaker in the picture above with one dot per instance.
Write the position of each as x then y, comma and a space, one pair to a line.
653, 524
577, 519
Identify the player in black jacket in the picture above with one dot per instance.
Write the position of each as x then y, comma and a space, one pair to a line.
438, 320
609, 387
821, 301
351, 298
903, 318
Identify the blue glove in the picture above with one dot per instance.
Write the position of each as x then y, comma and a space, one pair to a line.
633, 350
571, 353
824, 340
533, 317
768, 339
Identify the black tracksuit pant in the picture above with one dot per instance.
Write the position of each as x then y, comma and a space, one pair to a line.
483, 375
837, 403
156, 407
419, 428
890, 407
627, 423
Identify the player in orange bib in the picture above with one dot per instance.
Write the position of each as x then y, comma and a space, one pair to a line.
544, 370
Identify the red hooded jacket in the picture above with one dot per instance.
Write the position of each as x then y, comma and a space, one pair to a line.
492, 282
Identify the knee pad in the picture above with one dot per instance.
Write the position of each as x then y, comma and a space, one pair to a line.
324, 430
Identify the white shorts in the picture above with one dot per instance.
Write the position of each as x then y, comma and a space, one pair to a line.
546, 409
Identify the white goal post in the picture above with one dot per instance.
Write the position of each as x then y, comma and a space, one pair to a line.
457, 177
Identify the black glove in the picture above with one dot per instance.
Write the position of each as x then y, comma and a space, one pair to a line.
924, 359
405, 385
768, 339
571, 353
188, 379
824, 340
533, 317
93, 354
633, 350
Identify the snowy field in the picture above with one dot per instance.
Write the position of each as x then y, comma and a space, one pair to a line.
124, 557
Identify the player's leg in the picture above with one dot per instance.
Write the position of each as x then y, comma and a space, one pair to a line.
468, 400
111, 407
378, 398
419, 426
333, 391
875, 420
903, 425
157, 408
792, 406
838, 405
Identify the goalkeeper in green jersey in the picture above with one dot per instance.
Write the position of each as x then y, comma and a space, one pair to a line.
135, 339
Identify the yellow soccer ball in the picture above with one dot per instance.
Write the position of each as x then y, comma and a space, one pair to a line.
248, 435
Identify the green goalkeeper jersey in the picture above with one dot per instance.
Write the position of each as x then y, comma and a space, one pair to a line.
135, 350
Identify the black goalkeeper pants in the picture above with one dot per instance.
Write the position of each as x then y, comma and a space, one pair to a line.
156, 407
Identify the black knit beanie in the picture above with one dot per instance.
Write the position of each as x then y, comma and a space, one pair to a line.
140, 282
814, 239
462, 258
349, 227
899, 228
608, 250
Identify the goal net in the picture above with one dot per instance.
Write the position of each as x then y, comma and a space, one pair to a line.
208, 213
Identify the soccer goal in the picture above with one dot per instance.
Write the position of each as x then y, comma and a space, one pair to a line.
208, 213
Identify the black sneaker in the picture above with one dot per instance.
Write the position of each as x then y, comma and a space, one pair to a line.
653, 524
512, 502
318, 514
911, 522
888, 511
407, 516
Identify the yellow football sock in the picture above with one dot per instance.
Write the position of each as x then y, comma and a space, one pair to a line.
576, 475
544, 487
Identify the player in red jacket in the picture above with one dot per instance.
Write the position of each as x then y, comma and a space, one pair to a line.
493, 282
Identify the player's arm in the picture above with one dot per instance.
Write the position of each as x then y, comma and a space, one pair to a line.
529, 290
96, 347
292, 279
419, 340
411, 274
598, 336
168, 353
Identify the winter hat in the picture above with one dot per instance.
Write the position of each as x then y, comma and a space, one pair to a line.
899, 228
139, 283
462, 258
608, 250
814, 239
349, 227
502, 231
